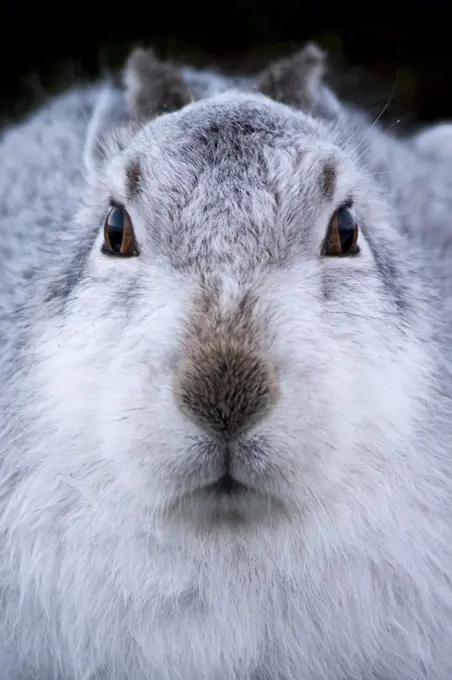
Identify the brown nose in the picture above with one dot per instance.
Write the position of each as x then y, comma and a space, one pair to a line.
226, 386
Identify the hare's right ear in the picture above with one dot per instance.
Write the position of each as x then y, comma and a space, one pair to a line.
297, 80
102, 138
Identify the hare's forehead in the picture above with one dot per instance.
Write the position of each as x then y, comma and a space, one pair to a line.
234, 150
226, 181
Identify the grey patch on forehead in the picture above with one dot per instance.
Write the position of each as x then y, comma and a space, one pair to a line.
153, 87
230, 134
235, 129
242, 117
231, 139
133, 177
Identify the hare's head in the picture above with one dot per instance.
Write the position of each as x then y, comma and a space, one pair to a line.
235, 337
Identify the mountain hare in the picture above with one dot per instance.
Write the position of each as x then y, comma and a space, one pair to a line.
225, 407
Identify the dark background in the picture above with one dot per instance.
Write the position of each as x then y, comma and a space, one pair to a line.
392, 52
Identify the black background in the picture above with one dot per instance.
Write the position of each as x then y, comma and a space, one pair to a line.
404, 47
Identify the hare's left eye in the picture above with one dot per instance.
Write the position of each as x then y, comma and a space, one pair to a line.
342, 235
119, 237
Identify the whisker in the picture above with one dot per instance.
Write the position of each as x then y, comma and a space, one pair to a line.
396, 122
385, 107
125, 415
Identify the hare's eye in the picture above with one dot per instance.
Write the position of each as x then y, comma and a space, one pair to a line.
342, 235
119, 238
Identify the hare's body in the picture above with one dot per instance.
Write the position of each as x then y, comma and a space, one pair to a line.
115, 563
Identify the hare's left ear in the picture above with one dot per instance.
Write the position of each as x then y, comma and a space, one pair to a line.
153, 87
298, 81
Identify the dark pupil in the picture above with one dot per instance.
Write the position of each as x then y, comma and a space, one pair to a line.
346, 226
116, 228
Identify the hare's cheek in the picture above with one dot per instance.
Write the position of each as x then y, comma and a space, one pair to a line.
67, 400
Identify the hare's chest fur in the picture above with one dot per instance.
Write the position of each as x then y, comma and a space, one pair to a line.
131, 609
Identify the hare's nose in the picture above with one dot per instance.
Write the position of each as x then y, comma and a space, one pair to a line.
226, 387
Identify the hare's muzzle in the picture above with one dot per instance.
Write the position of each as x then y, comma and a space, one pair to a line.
225, 382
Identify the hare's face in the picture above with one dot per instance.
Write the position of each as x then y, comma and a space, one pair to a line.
232, 364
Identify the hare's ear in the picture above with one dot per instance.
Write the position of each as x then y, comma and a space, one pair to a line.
298, 81
103, 137
153, 87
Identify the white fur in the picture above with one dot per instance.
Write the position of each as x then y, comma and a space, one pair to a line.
113, 565
436, 140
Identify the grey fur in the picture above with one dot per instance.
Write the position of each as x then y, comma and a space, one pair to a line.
153, 87
330, 556
296, 79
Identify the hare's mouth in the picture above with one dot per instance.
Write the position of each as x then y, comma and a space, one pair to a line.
232, 495
226, 485
233, 481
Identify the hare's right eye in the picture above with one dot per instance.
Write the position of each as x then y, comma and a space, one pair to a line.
342, 235
119, 237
